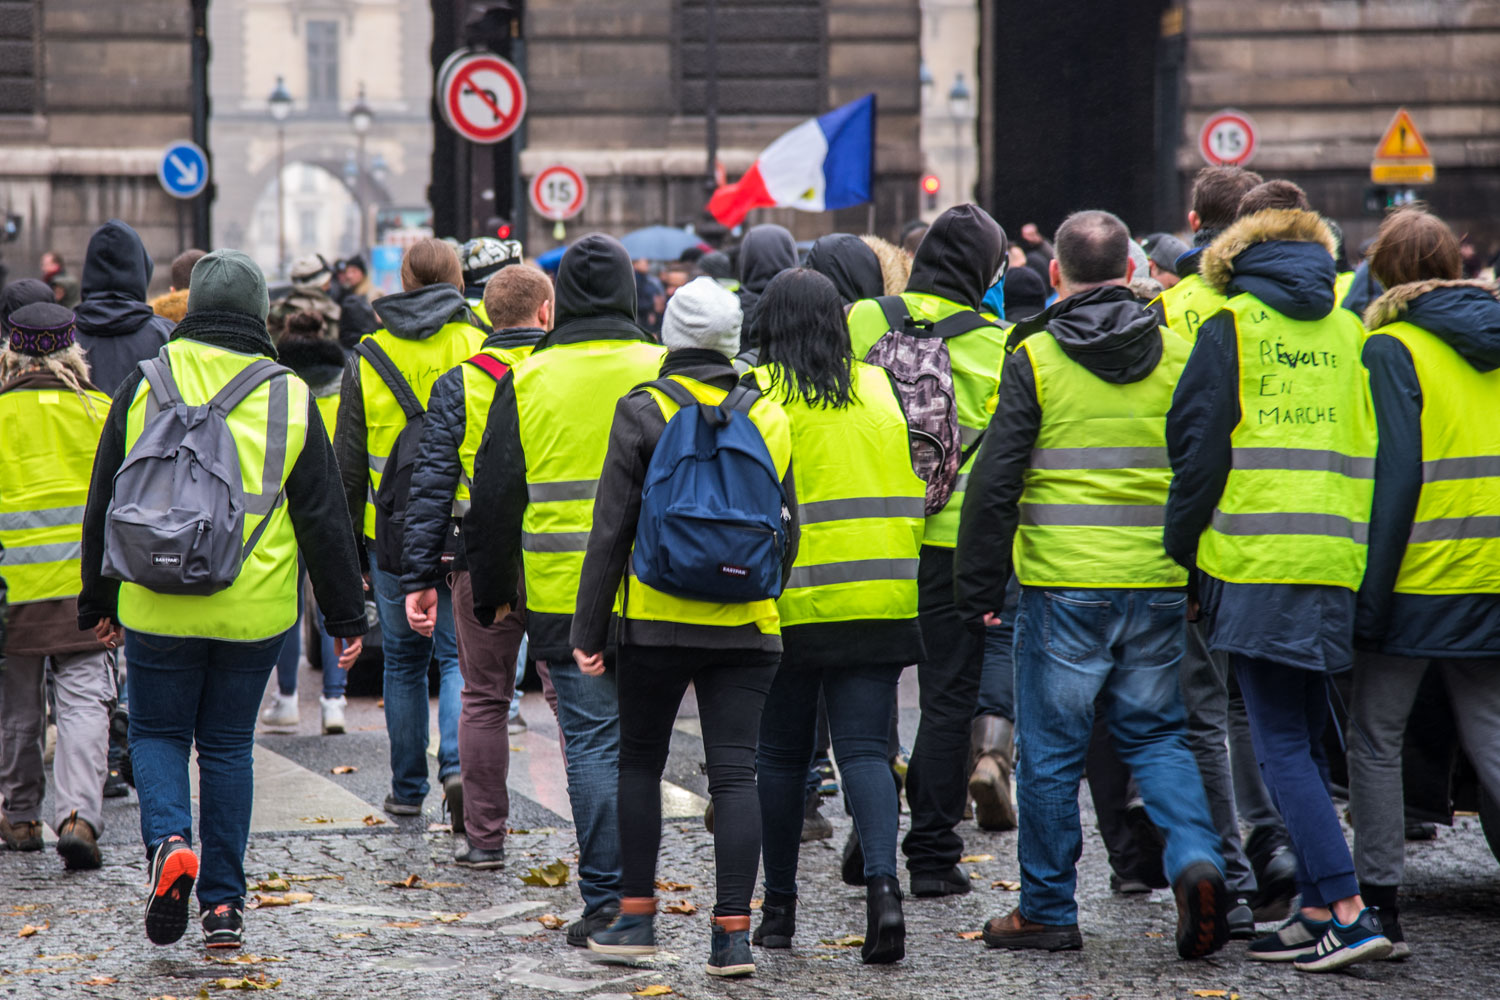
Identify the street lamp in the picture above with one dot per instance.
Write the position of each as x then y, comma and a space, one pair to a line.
280, 103
960, 105
360, 119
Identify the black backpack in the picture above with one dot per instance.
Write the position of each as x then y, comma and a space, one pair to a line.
395, 481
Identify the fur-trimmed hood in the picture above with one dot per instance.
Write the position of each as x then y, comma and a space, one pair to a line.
1284, 257
172, 305
1464, 314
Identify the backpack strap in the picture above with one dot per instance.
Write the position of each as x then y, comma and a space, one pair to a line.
898, 317
235, 392
239, 388
742, 396
491, 366
959, 323
673, 390
164, 392
391, 376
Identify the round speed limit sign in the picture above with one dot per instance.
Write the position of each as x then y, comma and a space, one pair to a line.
1227, 139
558, 192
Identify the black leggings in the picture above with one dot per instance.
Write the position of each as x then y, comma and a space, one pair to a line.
731, 687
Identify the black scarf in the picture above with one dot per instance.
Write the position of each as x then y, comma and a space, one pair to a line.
232, 331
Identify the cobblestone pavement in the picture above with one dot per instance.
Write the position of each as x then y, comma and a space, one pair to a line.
462, 934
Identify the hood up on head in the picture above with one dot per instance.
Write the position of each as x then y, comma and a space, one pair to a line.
1105, 329
116, 271
850, 264
1282, 256
22, 293
1464, 314
417, 315
312, 359
765, 252
595, 279
959, 257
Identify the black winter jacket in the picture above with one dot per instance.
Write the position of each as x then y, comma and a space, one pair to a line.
321, 526
633, 436
431, 528
116, 327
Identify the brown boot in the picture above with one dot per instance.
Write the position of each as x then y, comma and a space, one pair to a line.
23, 836
1014, 931
992, 741
78, 844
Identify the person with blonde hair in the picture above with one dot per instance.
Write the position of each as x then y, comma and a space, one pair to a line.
51, 417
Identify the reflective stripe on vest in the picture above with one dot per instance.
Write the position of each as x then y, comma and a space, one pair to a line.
565, 402
262, 601
479, 395
1296, 506
1187, 305
859, 503
976, 357
1095, 495
47, 442
423, 362
1454, 545
643, 603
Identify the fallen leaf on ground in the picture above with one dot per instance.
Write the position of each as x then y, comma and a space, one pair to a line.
1155, 934
263, 899
417, 882
380, 703
847, 941
551, 921
974, 874
31, 929
346, 935
1210, 993
68, 956
970, 935
441, 828
682, 907
1006, 884
549, 875
516, 749
663, 885
405, 923
243, 959
755, 903
343, 769
373, 820
248, 983
317, 819
98, 981
313, 878
21, 908
273, 885
654, 990
974, 859
449, 918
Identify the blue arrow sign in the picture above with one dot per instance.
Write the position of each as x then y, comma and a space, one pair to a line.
183, 170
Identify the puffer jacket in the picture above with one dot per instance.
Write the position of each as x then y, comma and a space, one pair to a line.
116, 327
431, 528
1466, 316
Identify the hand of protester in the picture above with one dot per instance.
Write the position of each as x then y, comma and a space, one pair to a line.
991, 619
421, 611
590, 663
108, 633
1193, 609
348, 650
500, 614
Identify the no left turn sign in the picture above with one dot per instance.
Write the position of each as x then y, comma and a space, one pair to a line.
1227, 139
482, 96
558, 192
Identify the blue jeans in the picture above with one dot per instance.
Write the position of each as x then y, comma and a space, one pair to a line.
208, 690
588, 713
997, 681
1071, 647
407, 711
859, 700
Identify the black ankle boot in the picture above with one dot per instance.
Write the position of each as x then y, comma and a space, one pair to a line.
885, 935
778, 921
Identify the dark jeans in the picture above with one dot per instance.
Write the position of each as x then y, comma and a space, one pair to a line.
937, 778
1288, 709
997, 680
731, 687
205, 691
859, 700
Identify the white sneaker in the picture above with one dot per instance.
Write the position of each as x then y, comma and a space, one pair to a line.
333, 714
282, 712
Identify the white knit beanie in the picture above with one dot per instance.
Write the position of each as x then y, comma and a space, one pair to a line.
703, 314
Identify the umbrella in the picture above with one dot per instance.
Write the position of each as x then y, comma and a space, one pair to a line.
659, 243
551, 259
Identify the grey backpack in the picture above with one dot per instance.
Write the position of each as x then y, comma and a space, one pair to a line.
176, 521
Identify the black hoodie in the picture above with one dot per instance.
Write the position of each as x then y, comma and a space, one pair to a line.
1104, 329
595, 302
116, 327
959, 257
765, 252
850, 264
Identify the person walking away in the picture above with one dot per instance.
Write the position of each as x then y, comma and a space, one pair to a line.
962, 255
319, 362
173, 305
1272, 442
536, 475
311, 281
849, 613
1188, 304
50, 420
850, 263
728, 650
520, 300
116, 328
388, 382
199, 661
765, 252
482, 258
1073, 477
1431, 592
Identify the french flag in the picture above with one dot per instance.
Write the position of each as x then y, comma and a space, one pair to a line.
825, 163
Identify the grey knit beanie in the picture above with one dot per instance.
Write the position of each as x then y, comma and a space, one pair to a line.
228, 280
703, 314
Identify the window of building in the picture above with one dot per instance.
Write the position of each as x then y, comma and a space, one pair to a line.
769, 54
322, 62
20, 76
307, 227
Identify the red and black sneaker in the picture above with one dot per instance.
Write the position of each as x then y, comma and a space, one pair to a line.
223, 927
174, 868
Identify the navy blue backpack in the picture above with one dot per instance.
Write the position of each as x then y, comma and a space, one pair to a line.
713, 513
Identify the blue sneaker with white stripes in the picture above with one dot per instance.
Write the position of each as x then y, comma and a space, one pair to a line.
1296, 938
1344, 944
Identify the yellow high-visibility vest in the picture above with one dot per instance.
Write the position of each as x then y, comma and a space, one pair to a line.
479, 394
1187, 305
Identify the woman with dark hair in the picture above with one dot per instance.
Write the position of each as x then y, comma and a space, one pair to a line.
849, 612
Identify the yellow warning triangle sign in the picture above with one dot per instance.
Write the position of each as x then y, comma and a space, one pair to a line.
1402, 141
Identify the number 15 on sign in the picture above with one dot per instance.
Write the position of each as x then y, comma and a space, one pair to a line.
1227, 139
558, 192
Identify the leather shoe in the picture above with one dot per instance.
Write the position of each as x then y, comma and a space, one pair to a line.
1014, 931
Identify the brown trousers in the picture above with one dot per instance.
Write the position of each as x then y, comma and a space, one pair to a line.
487, 660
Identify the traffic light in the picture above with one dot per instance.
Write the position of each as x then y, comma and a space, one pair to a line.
503, 230
930, 187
